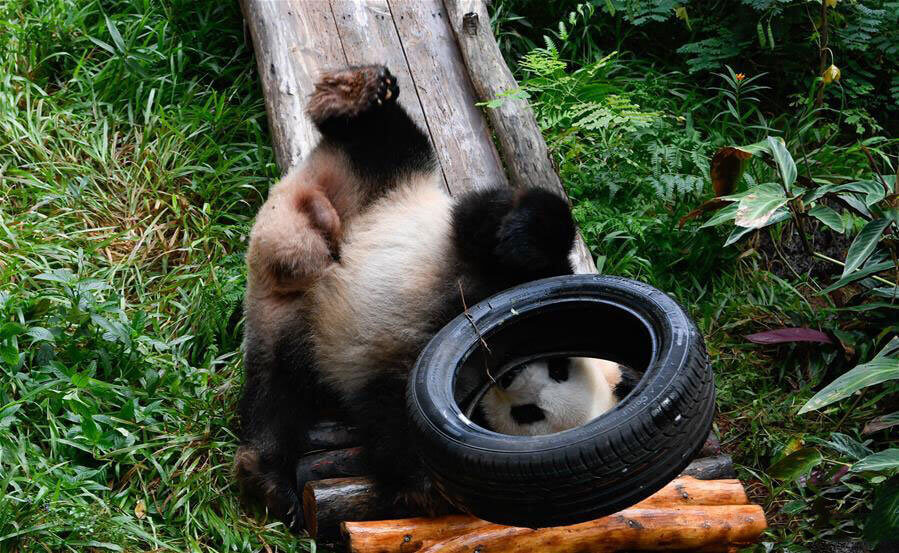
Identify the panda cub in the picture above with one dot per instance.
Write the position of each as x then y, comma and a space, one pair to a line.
356, 259
555, 394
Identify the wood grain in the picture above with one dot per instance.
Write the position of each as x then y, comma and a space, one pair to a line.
521, 144
461, 136
703, 528
294, 42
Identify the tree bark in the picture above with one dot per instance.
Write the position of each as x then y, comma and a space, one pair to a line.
327, 503
702, 528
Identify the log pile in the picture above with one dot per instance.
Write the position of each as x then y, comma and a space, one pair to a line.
704, 509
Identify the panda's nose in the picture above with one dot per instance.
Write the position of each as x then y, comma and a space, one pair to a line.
527, 414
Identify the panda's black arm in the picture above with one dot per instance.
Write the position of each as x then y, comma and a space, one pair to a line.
379, 410
356, 111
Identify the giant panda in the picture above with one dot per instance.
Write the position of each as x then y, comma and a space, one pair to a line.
555, 394
356, 259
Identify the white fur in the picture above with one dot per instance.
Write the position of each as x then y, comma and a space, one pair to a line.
568, 404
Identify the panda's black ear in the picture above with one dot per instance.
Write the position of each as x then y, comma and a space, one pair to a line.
558, 368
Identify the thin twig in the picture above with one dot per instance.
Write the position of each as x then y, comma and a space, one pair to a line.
477, 330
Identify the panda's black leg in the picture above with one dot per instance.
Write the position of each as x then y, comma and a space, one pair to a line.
507, 237
275, 415
356, 111
379, 410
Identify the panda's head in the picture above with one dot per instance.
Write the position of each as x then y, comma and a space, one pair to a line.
552, 395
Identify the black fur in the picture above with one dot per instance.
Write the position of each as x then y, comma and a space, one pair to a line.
508, 237
558, 368
382, 142
527, 414
629, 380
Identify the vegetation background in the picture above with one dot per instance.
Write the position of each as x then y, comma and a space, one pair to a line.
134, 153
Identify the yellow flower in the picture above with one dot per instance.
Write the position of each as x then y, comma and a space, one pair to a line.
740, 76
831, 74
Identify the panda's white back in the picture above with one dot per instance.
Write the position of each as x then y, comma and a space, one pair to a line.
373, 309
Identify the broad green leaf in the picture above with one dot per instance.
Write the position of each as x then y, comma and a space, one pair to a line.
867, 270
863, 245
723, 216
827, 216
739, 232
883, 522
880, 369
41, 334
9, 355
848, 446
757, 208
11, 329
880, 461
785, 164
796, 464
872, 190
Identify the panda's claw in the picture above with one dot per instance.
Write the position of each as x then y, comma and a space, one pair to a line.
350, 92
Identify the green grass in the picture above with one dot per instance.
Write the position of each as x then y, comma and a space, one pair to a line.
133, 156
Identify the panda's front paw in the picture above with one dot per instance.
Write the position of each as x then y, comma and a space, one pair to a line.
421, 496
351, 92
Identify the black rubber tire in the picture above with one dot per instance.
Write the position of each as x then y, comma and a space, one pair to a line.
597, 469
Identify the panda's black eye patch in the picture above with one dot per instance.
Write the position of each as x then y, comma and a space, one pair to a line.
558, 369
527, 414
507, 379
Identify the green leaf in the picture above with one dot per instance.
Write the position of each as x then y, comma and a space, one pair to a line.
739, 232
9, 355
41, 334
883, 522
11, 329
796, 464
877, 370
880, 461
863, 245
869, 269
785, 164
757, 208
827, 216
116, 36
724, 215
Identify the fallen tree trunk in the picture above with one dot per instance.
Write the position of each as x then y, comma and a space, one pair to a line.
328, 502
702, 528
401, 536
331, 464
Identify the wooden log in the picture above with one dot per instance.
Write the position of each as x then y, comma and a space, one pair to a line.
406, 535
520, 141
331, 464
703, 528
711, 468
330, 434
327, 503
